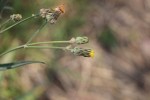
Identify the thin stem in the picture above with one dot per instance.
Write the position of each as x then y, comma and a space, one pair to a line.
33, 47
3, 24
46, 47
18, 23
36, 33
48, 42
13, 49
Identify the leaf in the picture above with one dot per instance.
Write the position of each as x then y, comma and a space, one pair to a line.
17, 64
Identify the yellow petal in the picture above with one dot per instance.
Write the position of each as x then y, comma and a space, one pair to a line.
92, 53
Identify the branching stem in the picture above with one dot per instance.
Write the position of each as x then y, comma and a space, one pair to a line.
32, 45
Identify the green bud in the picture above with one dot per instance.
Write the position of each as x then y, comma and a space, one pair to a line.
82, 52
82, 40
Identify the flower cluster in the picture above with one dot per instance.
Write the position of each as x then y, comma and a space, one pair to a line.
51, 15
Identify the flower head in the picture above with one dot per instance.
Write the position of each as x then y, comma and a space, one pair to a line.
45, 12
16, 17
83, 52
51, 15
80, 40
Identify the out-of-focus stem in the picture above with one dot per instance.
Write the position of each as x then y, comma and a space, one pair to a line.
36, 33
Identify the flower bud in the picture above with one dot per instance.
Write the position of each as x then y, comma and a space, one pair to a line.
82, 52
82, 40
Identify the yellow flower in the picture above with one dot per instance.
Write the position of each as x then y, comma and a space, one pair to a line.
92, 53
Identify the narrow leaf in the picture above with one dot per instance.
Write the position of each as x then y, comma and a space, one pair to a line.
17, 64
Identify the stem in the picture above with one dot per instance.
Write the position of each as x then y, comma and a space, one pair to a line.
13, 49
45, 47
18, 23
48, 42
34, 47
36, 33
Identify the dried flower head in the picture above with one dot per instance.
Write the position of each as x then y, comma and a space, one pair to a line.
45, 12
51, 15
16, 17
83, 52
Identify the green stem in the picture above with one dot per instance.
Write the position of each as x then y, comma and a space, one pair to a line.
36, 33
18, 23
48, 42
13, 49
45, 47
34, 47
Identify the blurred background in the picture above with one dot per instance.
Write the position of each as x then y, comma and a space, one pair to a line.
119, 34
